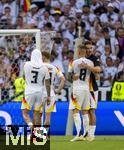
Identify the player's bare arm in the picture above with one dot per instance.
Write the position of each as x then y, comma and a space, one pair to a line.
94, 69
72, 77
61, 85
48, 88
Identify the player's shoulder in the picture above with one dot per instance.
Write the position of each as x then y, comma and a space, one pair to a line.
49, 65
77, 61
87, 61
93, 58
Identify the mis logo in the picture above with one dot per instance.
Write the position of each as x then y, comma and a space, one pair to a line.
19, 135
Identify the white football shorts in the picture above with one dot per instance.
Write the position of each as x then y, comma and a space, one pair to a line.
32, 100
80, 100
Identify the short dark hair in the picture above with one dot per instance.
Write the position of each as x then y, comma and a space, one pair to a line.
48, 25
105, 30
46, 54
109, 58
86, 6
88, 43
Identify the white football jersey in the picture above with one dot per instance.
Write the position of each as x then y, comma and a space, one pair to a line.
34, 77
84, 74
54, 72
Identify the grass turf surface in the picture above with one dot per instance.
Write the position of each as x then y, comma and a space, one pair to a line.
100, 143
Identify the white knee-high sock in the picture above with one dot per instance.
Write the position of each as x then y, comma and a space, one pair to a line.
85, 123
92, 129
77, 121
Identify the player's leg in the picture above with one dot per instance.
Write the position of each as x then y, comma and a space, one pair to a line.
77, 120
85, 116
27, 104
75, 106
92, 126
92, 115
36, 118
37, 108
47, 119
26, 117
36, 114
48, 109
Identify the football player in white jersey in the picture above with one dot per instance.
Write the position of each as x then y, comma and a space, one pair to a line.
80, 91
35, 74
54, 72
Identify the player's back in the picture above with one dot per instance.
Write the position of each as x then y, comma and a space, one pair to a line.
34, 77
53, 71
84, 74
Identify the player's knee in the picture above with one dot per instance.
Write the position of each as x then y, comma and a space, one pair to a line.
75, 111
84, 112
25, 114
47, 120
92, 111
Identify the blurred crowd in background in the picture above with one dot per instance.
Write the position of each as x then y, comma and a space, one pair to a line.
101, 21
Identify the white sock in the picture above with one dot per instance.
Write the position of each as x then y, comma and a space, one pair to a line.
92, 129
85, 123
77, 121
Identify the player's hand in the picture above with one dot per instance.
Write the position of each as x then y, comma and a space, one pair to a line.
48, 100
75, 77
82, 65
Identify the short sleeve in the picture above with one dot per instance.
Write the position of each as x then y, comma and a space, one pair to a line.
59, 73
47, 75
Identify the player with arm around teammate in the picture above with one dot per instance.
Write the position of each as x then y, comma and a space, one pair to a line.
80, 91
34, 73
54, 72
95, 71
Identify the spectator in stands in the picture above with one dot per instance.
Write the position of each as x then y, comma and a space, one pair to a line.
32, 17
57, 21
88, 17
95, 28
108, 72
55, 61
120, 33
107, 54
58, 44
121, 65
65, 17
45, 18
70, 33
8, 42
7, 14
19, 24
5, 83
95, 4
78, 17
106, 39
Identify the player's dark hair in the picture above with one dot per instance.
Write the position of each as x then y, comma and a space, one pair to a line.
46, 54
88, 43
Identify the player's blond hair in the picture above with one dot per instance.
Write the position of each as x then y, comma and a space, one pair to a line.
46, 55
81, 47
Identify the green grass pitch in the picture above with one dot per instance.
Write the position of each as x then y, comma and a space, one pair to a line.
100, 143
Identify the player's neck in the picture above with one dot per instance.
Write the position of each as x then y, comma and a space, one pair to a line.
47, 61
82, 56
